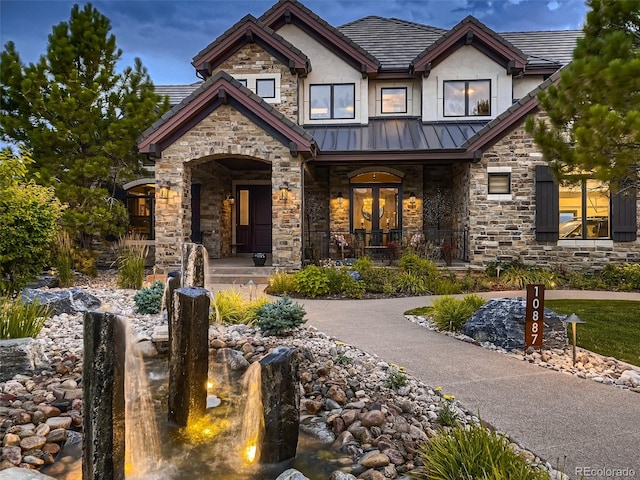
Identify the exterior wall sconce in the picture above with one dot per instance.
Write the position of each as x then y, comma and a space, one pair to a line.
340, 199
573, 319
164, 186
229, 198
412, 199
284, 192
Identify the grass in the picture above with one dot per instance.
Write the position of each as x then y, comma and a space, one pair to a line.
612, 327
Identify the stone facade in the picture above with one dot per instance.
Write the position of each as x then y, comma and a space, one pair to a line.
225, 133
252, 59
503, 230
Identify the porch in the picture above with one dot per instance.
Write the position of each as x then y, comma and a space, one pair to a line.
438, 245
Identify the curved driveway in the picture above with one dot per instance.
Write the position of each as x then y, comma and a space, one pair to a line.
571, 422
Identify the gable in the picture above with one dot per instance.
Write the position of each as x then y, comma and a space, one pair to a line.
470, 32
222, 89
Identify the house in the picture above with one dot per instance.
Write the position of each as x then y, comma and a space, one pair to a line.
377, 131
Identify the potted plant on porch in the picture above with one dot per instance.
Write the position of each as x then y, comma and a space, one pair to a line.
259, 259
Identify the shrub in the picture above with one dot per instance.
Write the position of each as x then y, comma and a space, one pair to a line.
312, 281
375, 279
233, 307
411, 284
64, 258
85, 261
472, 453
362, 265
443, 286
280, 317
20, 319
451, 314
133, 253
282, 283
29, 215
149, 300
448, 416
412, 263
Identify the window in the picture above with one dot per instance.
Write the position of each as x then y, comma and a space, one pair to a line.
266, 87
499, 183
584, 210
468, 98
332, 101
140, 205
595, 212
394, 100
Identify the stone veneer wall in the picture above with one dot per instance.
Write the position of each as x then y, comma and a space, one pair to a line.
504, 230
224, 133
252, 59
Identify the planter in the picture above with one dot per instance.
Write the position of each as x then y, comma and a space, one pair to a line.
259, 259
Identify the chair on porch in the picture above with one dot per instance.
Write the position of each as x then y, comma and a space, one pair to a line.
342, 245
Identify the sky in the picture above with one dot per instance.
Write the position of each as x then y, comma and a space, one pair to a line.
167, 34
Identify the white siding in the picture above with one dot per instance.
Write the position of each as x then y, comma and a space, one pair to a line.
522, 86
466, 63
326, 68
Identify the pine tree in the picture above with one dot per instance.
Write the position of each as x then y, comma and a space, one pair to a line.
80, 119
594, 109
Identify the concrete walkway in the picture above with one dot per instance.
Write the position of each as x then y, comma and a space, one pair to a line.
571, 422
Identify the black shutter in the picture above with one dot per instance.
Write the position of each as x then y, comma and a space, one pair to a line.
547, 205
624, 219
196, 233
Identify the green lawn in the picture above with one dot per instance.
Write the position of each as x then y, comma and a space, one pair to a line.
612, 328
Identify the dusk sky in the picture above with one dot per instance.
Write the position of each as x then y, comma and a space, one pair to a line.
166, 34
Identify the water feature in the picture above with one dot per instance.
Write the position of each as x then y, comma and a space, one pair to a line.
217, 423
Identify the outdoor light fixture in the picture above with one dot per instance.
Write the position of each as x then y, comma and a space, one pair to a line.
412, 199
573, 319
252, 288
284, 191
164, 186
230, 199
339, 197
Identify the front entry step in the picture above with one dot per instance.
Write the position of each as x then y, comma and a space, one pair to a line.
238, 275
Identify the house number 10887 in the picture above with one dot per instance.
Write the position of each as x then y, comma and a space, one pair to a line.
534, 316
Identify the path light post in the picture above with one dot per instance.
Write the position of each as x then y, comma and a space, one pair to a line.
573, 319
252, 288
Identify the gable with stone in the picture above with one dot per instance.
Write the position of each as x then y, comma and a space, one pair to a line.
299, 132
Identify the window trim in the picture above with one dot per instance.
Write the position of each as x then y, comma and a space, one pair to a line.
491, 174
272, 81
332, 100
466, 97
382, 90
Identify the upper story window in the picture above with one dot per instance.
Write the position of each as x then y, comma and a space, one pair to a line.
467, 98
336, 101
266, 87
394, 100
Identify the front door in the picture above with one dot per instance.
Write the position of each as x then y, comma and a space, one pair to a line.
253, 218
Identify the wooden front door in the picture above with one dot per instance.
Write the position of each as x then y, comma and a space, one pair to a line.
253, 218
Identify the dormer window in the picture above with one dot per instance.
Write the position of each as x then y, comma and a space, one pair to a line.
467, 98
266, 87
336, 101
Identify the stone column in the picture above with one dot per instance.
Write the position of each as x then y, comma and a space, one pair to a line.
281, 404
189, 353
193, 265
103, 409
173, 283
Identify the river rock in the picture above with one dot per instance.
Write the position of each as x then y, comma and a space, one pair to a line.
373, 418
72, 300
33, 442
339, 475
374, 459
501, 321
59, 422
23, 474
233, 358
291, 474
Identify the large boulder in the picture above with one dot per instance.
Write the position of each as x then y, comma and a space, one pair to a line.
20, 355
501, 321
73, 300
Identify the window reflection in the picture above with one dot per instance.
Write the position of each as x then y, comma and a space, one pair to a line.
467, 98
584, 210
140, 206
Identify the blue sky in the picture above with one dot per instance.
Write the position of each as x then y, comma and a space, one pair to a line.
166, 34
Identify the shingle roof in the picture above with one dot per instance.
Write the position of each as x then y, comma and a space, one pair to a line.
556, 46
387, 39
394, 135
176, 93
395, 43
